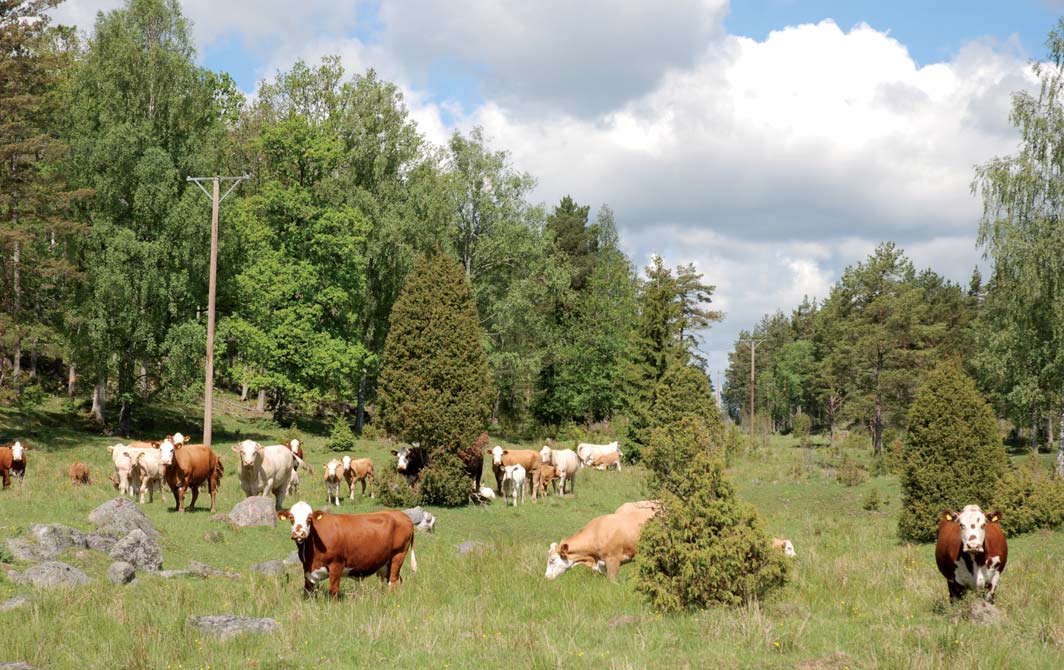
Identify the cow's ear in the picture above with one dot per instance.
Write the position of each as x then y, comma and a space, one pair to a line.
318, 515
563, 549
994, 516
236, 449
284, 514
505, 451
949, 515
394, 452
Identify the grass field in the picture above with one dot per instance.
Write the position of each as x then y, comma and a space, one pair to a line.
857, 599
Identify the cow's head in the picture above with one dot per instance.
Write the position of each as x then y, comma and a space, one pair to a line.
332, 469
971, 522
557, 560
513, 473
294, 446
178, 438
18, 451
496, 455
248, 450
302, 516
346, 463
788, 549
402, 458
136, 463
167, 449
546, 453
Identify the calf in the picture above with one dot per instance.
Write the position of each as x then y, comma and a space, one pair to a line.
607, 461
333, 473
79, 474
13, 462
971, 552
530, 460
190, 466
358, 470
548, 475
296, 447
354, 545
513, 482
565, 462
608, 541
588, 452
785, 546
147, 473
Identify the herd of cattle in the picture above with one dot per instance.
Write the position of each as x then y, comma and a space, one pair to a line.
971, 551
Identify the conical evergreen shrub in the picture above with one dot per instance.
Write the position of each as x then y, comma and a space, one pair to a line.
953, 455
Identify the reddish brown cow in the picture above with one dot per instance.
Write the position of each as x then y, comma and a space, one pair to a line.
79, 474
190, 466
13, 462
971, 552
352, 545
548, 475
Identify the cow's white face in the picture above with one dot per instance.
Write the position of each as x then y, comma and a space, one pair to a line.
300, 516
179, 438
513, 473
166, 452
402, 459
346, 463
546, 454
788, 549
973, 528
295, 444
17, 451
496, 455
332, 468
556, 562
248, 450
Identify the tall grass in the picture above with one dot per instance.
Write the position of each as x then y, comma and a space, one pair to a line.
858, 598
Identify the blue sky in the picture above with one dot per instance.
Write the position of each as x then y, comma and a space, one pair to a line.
769, 142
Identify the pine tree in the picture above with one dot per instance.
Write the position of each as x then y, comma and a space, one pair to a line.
435, 387
953, 455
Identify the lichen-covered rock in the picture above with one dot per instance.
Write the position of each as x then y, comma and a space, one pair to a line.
52, 574
15, 603
254, 511
226, 626
270, 567
52, 539
138, 549
100, 542
23, 549
204, 570
120, 516
121, 572
422, 520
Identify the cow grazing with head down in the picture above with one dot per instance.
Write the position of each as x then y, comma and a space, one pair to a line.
409, 462
79, 474
606, 541
350, 545
13, 462
528, 459
358, 470
971, 552
265, 471
190, 466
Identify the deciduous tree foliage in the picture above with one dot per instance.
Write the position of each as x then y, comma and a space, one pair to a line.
435, 387
952, 456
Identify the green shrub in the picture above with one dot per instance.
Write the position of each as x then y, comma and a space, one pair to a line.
372, 431
706, 547
30, 396
392, 489
341, 439
872, 501
850, 472
802, 429
953, 455
444, 482
855, 439
1028, 499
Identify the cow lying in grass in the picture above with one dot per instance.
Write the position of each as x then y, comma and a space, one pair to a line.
606, 541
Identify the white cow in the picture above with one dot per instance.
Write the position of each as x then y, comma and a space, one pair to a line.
333, 476
565, 462
513, 482
589, 452
124, 459
147, 473
265, 471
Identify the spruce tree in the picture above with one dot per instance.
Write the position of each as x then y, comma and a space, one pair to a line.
953, 455
435, 387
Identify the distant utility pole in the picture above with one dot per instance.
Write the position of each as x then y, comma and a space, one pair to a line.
752, 343
208, 389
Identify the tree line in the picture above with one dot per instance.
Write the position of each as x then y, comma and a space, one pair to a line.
105, 243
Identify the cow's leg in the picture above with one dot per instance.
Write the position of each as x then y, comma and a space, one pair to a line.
396, 565
613, 566
179, 495
498, 481
956, 591
195, 495
7, 479
336, 571
212, 488
308, 588
991, 587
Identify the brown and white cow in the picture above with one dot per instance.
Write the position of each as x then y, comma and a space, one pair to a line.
79, 474
784, 545
566, 464
334, 472
350, 545
608, 541
358, 470
190, 466
13, 462
529, 459
971, 552
607, 461
548, 476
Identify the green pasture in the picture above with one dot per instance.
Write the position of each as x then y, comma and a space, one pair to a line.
858, 598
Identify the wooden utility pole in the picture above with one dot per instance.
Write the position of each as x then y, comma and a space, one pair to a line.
752, 343
208, 387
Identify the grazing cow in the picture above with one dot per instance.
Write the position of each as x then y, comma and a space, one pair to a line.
608, 541
548, 475
265, 471
353, 545
190, 466
607, 461
587, 451
529, 459
971, 552
785, 546
79, 474
333, 474
146, 472
358, 470
565, 462
13, 462
513, 482
648, 508
409, 462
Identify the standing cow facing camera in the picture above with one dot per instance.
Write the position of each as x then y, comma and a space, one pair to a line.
528, 459
13, 462
971, 551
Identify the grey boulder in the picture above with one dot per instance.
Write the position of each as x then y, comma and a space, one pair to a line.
121, 572
52, 539
270, 567
226, 626
421, 519
52, 574
204, 570
15, 603
138, 549
120, 516
254, 511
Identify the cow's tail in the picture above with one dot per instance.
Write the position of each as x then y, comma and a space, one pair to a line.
413, 558
219, 470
